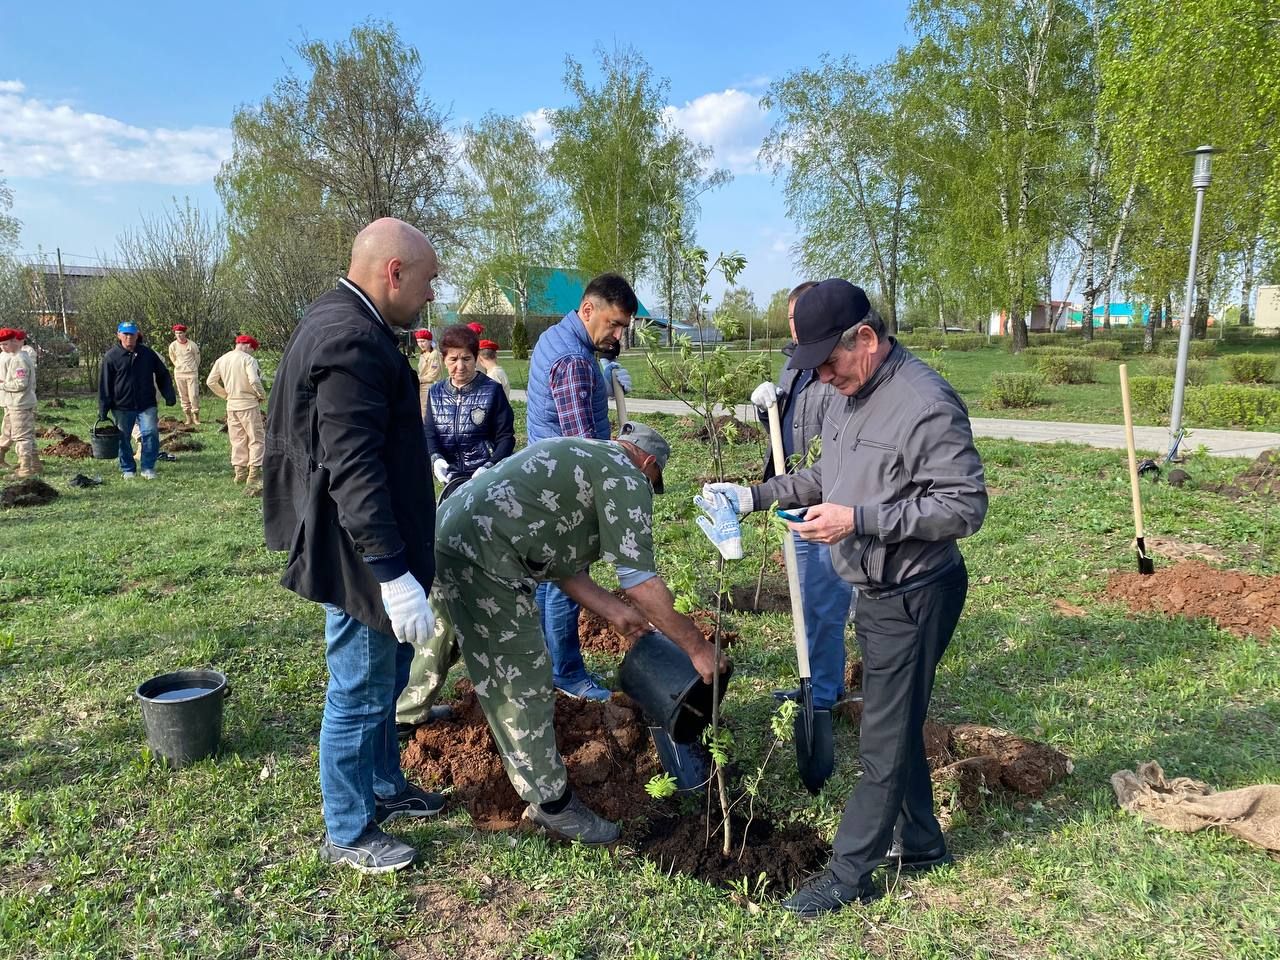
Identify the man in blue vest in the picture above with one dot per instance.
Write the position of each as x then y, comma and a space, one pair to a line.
568, 396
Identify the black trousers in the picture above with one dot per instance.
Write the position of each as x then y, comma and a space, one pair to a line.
902, 639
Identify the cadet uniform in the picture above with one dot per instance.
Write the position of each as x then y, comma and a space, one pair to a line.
185, 358
18, 399
429, 367
236, 378
546, 513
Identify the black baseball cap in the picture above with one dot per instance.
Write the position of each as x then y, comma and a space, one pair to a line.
822, 314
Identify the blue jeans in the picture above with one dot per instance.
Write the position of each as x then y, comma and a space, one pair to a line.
560, 627
828, 606
359, 752
146, 421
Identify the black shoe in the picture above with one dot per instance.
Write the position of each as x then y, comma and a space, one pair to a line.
921, 862
441, 711
371, 852
784, 695
823, 893
410, 802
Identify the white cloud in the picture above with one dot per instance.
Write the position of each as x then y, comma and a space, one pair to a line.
540, 121
730, 122
39, 139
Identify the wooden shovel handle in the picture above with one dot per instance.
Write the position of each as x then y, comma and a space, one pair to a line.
619, 400
1133, 455
789, 554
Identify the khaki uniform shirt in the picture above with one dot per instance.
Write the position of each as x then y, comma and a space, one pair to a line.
236, 378
185, 358
17, 382
497, 374
429, 366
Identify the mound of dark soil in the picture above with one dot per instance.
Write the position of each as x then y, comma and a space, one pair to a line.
69, 446
785, 854
179, 443
52, 433
605, 746
1261, 478
1242, 603
774, 598
32, 492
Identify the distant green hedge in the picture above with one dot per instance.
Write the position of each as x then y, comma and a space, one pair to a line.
1197, 370
1250, 367
1200, 349
1215, 405
1067, 369
1103, 349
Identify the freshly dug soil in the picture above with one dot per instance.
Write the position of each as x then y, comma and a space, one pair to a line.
605, 746
695, 428
1260, 478
165, 422
785, 854
774, 598
596, 635
71, 447
1242, 603
32, 492
52, 433
179, 443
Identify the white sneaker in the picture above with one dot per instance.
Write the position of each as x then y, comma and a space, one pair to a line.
148, 474
127, 476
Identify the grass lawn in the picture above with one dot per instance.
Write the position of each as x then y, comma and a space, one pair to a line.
105, 853
970, 372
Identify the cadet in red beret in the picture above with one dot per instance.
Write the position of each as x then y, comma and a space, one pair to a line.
236, 378
429, 366
18, 403
184, 354
488, 359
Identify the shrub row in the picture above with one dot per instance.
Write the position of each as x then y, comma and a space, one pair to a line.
1067, 369
1215, 405
937, 340
1013, 390
1250, 367
1197, 370
1200, 349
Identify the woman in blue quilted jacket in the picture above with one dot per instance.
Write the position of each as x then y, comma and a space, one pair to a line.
468, 422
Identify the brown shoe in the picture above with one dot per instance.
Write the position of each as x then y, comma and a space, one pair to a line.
240, 475
253, 483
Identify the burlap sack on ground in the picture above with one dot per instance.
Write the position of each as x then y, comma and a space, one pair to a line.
1186, 805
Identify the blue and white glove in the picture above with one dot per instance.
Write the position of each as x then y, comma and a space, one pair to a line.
739, 497
440, 468
720, 525
612, 369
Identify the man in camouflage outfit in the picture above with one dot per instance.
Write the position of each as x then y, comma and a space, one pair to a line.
545, 515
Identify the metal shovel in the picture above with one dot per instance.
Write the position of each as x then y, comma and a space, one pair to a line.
1145, 564
814, 754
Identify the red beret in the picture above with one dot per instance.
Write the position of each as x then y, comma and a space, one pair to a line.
19, 334
179, 327
423, 334
488, 345
245, 338
476, 328
5, 334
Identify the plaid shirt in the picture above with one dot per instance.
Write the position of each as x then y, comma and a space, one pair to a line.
571, 387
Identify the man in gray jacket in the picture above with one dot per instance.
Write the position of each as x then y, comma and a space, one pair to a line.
899, 481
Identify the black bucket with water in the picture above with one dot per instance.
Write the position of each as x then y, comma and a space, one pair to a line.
105, 441
660, 677
182, 712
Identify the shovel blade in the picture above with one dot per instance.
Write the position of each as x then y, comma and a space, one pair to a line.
815, 750
1146, 565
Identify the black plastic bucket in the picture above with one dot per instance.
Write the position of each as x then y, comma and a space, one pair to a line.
660, 677
182, 713
105, 441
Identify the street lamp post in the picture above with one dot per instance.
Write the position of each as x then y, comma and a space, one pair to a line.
1200, 177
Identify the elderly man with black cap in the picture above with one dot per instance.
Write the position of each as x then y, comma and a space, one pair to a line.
899, 481
545, 515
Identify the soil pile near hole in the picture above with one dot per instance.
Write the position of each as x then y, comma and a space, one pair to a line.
596, 635
52, 433
774, 598
27, 493
1244, 604
179, 443
1261, 478
605, 747
785, 854
69, 446
695, 428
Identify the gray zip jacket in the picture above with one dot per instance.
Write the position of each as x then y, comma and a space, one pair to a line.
900, 452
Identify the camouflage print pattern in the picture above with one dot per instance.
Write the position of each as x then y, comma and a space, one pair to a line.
428, 669
497, 626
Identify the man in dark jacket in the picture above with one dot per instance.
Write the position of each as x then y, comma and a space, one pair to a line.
344, 476
899, 481
131, 372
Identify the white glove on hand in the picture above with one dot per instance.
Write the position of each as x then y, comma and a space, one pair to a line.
739, 497
406, 604
721, 525
479, 470
613, 369
765, 396
441, 469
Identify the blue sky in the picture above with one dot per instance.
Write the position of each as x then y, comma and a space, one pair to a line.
106, 117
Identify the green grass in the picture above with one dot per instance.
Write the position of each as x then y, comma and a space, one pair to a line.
103, 852
970, 372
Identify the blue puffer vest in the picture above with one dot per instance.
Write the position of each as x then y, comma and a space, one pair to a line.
461, 419
568, 338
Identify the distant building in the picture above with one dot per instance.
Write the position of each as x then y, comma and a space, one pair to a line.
553, 292
55, 297
1267, 316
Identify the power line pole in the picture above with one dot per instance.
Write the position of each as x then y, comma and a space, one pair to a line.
62, 294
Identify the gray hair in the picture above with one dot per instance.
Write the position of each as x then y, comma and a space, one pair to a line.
872, 320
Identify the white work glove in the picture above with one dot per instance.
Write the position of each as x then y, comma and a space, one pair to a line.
721, 524
406, 604
739, 497
765, 396
479, 470
441, 469
612, 369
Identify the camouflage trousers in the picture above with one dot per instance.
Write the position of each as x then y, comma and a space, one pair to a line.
496, 626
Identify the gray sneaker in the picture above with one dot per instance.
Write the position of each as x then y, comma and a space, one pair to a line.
575, 822
371, 852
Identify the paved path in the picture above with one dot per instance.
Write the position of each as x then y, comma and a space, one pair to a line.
1220, 443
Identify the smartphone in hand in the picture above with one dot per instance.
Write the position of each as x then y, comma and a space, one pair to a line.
794, 517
